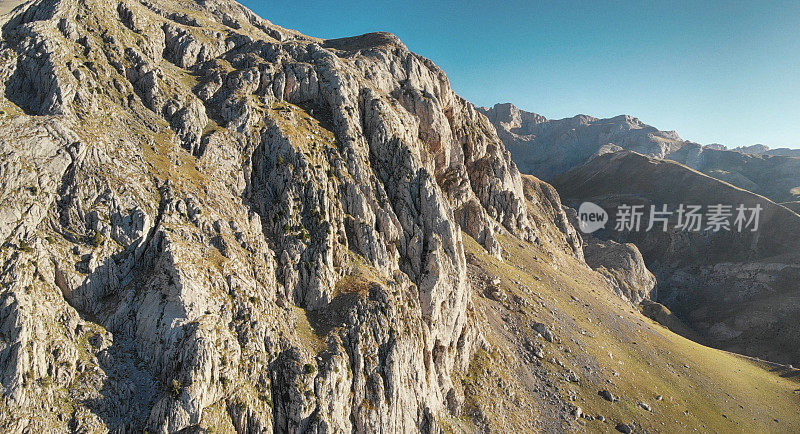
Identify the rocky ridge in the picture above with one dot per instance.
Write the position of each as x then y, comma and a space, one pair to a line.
194, 193
776, 176
760, 149
548, 148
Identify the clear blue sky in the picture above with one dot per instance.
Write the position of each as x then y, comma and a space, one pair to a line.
725, 72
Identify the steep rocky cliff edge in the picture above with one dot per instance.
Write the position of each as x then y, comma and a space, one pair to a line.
212, 223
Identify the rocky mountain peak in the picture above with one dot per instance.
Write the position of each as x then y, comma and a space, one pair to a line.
520, 121
546, 148
752, 149
193, 185
366, 41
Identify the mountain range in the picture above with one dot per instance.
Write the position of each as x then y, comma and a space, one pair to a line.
211, 223
735, 291
547, 148
766, 150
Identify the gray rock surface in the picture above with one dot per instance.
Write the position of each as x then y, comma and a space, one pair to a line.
624, 266
213, 224
212, 220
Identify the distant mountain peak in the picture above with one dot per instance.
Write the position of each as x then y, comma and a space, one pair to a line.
546, 147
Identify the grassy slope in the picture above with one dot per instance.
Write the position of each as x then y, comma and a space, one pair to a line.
627, 353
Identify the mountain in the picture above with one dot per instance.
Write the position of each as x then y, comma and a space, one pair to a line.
774, 176
794, 206
737, 290
214, 224
756, 149
765, 150
548, 148
187, 185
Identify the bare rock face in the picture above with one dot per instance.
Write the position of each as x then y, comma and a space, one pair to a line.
624, 266
621, 264
211, 220
554, 225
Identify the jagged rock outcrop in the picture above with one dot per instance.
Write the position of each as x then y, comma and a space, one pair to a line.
553, 226
624, 266
211, 220
211, 223
621, 264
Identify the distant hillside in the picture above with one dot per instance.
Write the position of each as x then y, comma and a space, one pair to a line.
738, 290
766, 150
776, 177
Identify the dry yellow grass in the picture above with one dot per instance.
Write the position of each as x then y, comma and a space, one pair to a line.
702, 388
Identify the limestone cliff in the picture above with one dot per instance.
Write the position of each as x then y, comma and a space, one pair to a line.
193, 197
